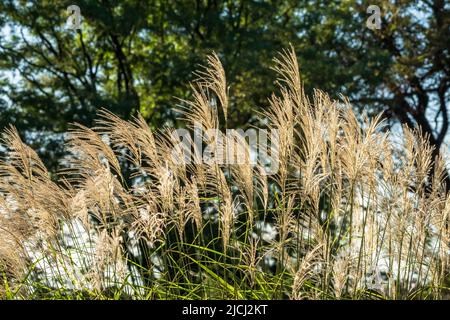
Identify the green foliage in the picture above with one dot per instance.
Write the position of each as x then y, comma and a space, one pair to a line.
133, 56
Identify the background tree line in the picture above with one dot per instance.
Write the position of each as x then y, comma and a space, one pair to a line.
137, 56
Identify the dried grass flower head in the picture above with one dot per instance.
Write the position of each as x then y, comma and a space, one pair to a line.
352, 212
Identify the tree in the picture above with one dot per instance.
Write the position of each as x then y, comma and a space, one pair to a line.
131, 57
403, 68
61, 75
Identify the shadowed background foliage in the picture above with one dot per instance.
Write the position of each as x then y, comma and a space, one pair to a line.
137, 56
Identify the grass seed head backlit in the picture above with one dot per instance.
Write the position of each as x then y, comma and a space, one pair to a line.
351, 212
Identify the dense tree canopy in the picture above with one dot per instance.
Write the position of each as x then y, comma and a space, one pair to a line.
132, 56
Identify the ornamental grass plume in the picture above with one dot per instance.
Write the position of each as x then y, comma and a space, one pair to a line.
354, 211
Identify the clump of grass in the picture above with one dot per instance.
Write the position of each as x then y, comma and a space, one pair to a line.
352, 213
